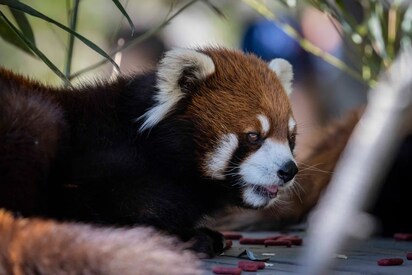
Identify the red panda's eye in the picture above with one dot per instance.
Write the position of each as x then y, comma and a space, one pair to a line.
253, 138
292, 141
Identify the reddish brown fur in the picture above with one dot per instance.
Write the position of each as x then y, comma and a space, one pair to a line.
327, 148
34, 246
242, 95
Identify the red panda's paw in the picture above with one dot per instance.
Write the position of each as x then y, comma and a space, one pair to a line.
207, 242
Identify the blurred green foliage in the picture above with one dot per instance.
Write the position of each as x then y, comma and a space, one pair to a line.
22, 24
376, 31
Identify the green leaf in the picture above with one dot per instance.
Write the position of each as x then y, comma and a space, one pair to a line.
29, 10
10, 36
36, 51
24, 24
123, 11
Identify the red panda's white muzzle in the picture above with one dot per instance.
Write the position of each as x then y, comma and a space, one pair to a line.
267, 171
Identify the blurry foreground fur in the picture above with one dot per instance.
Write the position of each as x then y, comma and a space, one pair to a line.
35, 246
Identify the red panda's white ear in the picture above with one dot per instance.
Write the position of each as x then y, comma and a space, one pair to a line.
177, 74
284, 72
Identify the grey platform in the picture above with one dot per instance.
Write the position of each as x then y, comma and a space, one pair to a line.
361, 256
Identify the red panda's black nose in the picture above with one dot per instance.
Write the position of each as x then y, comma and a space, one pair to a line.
287, 171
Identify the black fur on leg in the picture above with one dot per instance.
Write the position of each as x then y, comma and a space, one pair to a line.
205, 241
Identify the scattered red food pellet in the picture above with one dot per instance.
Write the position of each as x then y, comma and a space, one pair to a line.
227, 270
260, 265
409, 255
229, 235
228, 244
251, 241
403, 236
390, 261
248, 266
277, 243
275, 237
295, 240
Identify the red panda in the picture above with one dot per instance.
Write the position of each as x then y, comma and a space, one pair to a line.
209, 128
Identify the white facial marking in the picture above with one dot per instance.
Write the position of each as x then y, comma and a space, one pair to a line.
292, 124
261, 170
264, 121
252, 198
218, 160
284, 72
170, 71
261, 167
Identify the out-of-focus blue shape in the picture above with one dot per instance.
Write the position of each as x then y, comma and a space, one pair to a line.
267, 40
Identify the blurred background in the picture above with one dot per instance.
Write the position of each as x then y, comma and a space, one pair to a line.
337, 48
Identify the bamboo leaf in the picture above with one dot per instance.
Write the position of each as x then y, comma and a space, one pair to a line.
24, 24
123, 11
136, 40
73, 25
35, 50
29, 10
10, 36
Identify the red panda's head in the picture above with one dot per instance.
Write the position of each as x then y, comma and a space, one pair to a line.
243, 124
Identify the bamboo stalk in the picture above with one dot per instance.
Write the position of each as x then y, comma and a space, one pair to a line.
69, 53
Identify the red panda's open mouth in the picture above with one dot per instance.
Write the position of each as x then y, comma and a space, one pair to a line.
270, 191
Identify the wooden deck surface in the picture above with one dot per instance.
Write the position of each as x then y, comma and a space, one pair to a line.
361, 256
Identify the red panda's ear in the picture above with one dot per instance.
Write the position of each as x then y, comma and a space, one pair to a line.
178, 73
284, 72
